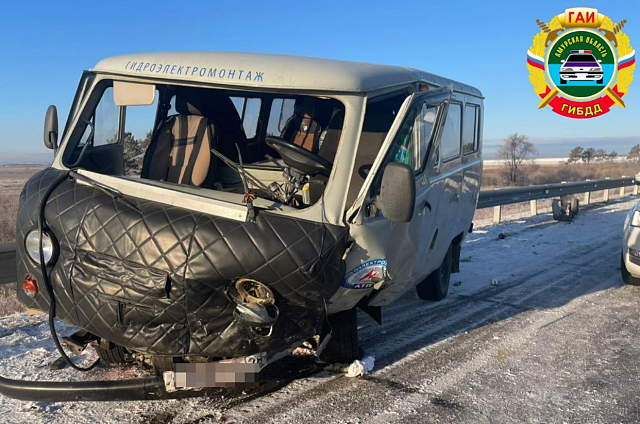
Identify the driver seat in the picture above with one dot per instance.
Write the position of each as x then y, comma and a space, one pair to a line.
303, 129
180, 150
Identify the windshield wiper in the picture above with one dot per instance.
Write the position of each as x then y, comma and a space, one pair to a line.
115, 194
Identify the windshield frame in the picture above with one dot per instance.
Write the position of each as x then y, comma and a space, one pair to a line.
330, 208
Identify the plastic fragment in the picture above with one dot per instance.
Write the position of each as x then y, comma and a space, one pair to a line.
358, 367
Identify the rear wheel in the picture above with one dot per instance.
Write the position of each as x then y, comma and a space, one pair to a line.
436, 285
600, 81
626, 277
343, 345
116, 355
562, 81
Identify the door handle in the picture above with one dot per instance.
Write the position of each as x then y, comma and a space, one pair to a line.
426, 205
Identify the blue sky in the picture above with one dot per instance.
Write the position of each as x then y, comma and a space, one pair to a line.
46, 45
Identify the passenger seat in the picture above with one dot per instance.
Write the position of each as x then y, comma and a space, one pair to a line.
180, 150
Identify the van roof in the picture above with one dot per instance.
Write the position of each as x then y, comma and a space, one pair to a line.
271, 71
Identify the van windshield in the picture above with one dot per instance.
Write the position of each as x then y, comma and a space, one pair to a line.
255, 145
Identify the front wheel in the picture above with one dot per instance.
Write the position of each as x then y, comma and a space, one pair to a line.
627, 278
343, 347
114, 354
436, 285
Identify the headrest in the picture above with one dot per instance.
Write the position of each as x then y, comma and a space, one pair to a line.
196, 101
307, 107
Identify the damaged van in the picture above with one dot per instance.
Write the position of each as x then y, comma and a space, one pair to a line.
225, 208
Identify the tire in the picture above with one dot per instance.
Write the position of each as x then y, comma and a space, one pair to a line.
563, 81
575, 206
343, 347
600, 81
436, 285
116, 355
627, 278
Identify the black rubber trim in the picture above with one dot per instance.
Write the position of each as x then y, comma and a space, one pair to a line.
148, 388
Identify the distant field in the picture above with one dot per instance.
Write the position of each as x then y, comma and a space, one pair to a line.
12, 179
545, 173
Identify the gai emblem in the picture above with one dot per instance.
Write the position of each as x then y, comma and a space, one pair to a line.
580, 63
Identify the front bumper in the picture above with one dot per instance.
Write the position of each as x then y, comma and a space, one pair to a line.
581, 76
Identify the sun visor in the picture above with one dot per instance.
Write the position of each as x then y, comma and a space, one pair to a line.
133, 94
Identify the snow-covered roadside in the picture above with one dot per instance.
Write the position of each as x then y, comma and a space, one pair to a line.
26, 348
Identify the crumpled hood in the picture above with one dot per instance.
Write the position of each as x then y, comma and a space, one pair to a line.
155, 279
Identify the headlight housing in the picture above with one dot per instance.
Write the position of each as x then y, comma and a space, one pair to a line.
635, 219
32, 245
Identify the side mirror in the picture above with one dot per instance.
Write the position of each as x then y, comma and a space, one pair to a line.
397, 197
562, 60
51, 128
599, 60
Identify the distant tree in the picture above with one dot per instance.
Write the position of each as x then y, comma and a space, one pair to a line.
612, 156
601, 155
144, 144
634, 153
588, 155
513, 151
575, 154
133, 152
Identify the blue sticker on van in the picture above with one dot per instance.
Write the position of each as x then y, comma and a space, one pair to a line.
366, 275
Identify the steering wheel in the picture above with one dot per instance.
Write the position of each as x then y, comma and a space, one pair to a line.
299, 159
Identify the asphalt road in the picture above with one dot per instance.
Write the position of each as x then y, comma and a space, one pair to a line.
557, 339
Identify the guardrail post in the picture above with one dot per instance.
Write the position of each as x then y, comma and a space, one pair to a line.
635, 190
606, 195
587, 197
497, 214
621, 191
534, 207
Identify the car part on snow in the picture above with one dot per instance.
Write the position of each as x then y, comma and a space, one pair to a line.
566, 208
358, 367
436, 285
342, 347
149, 388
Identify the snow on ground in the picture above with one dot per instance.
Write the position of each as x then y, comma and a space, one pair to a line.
412, 329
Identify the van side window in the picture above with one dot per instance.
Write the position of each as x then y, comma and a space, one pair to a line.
249, 111
412, 141
281, 111
450, 142
106, 120
378, 119
470, 129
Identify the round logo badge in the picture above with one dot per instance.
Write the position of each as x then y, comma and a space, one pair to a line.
581, 64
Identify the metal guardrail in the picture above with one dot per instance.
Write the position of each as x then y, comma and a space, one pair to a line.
507, 196
487, 199
7, 262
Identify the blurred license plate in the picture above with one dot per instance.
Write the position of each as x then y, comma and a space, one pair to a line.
238, 372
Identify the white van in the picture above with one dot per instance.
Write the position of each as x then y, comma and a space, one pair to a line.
207, 207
